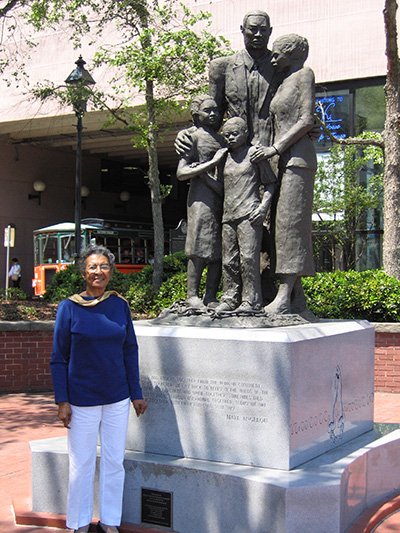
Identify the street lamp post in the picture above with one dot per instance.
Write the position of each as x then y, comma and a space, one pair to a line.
79, 78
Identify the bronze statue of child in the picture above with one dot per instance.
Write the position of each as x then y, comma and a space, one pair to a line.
248, 191
202, 164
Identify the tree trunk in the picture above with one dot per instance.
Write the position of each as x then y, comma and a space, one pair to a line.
391, 199
154, 184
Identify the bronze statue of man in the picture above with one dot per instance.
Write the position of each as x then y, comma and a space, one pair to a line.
243, 84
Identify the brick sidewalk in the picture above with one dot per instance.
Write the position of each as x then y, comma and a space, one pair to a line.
26, 417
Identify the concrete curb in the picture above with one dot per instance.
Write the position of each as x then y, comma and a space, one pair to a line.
27, 325
48, 325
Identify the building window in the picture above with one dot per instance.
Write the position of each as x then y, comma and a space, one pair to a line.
370, 109
349, 109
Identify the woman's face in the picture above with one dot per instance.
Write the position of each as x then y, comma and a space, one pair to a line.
280, 60
97, 272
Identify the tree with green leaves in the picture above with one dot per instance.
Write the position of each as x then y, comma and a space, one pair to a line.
16, 41
161, 52
389, 143
348, 184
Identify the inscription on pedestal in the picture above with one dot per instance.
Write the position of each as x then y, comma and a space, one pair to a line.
212, 394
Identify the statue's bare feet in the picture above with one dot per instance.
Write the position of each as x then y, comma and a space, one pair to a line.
211, 303
246, 307
278, 307
223, 307
195, 302
209, 300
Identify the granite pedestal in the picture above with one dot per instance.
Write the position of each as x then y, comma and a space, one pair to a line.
255, 431
324, 495
273, 398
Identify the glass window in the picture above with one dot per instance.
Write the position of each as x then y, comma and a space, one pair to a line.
67, 248
112, 244
127, 255
140, 251
36, 250
370, 109
49, 249
333, 108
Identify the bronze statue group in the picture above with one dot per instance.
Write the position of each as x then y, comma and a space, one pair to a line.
251, 186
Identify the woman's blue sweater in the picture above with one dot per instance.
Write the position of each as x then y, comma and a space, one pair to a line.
95, 354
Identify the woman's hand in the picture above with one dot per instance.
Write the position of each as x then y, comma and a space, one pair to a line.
65, 413
262, 152
140, 407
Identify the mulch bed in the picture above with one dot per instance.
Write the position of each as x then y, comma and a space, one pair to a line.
37, 309
30, 309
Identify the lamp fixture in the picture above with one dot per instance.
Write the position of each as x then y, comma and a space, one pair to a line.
85, 192
38, 186
124, 196
79, 80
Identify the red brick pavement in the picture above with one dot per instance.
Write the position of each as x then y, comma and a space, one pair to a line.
26, 417
23, 417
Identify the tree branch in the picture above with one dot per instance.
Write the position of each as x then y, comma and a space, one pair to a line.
8, 7
349, 140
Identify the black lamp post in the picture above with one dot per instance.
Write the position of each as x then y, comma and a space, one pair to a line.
79, 78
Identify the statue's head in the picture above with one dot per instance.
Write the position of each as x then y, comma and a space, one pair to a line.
288, 50
204, 111
256, 29
235, 132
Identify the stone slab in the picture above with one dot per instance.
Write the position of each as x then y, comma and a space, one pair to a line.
324, 495
272, 398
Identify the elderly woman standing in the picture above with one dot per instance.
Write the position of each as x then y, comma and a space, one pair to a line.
95, 374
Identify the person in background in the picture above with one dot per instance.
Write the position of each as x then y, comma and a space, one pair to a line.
126, 256
95, 373
140, 257
14, 274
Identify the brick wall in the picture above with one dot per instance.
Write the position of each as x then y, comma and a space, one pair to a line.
387, 358
25, 350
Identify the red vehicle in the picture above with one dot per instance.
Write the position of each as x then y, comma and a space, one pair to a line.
132, 244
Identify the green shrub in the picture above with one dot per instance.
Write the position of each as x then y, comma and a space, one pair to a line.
64, 283
173, 264
370, 295
13, 293
141, 297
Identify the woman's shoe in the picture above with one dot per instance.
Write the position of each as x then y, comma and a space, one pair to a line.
83, 529
109, 529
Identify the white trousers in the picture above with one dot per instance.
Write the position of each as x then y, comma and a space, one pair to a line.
86, 423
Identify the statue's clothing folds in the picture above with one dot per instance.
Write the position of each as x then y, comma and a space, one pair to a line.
292, 112
243, 87
204, 206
